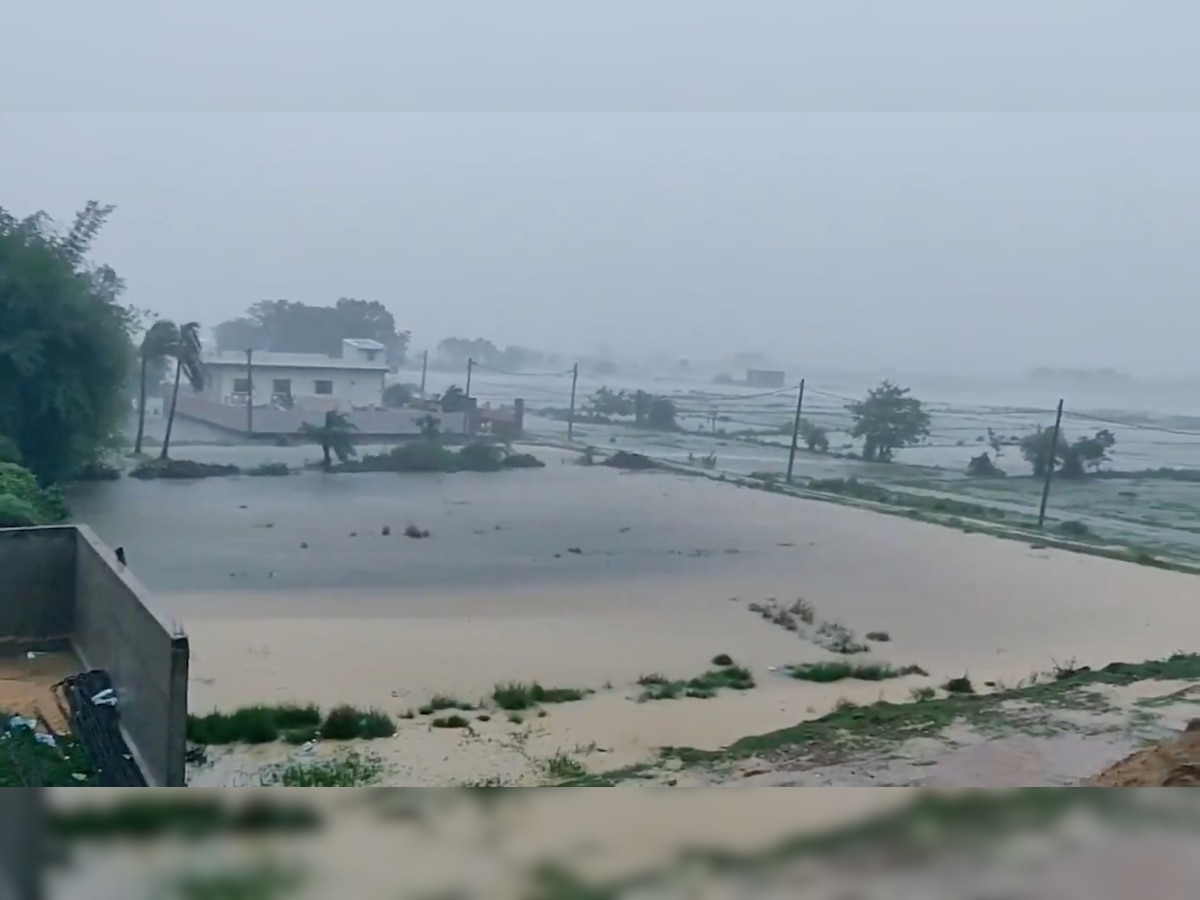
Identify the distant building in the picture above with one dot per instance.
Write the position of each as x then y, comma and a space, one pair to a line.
764, 378
355, 380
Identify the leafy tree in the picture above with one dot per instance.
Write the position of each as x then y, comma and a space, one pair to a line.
981, 466
335, 435
242, 333
156, 347
605, 402
1039, 450
289, 327
65, 347
660, 414
814, 436
24, 503
455, 351
453, 399
1089, 453
1071, 460
186, 353
431, 429
887, 420
397, 395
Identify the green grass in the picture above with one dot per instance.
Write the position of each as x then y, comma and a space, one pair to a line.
275, 469
345, 723
961, 685
262, 724
826, 672
25, 762
514, 696
850, 729
259, 724
659, 687
193, 816
441, 702
454, 721
347, 770
562, 766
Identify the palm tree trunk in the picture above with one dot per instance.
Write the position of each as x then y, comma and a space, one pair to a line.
137, 445
325, 450
171, 416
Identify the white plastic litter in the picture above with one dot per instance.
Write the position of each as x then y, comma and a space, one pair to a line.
22, 722
43, 738
106, 697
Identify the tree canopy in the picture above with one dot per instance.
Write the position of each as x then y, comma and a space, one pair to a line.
1071, 460
453, 352
887, 420
286, 326
65, 346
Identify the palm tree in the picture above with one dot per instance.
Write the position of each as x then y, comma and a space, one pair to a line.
186, 353
156, 347
335, 436
454, 399
430, 428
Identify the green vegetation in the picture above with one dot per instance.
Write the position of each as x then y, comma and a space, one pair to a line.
23, 503
182, 469
440, 702
335, 437
960, 685
453, 399
981, 466
480, 456
451, 721
346, 723
26, 762
396, 396
289, 327
815, 438
648, 411
273, 469
1071, 460
66, 352
519, 695
887, 420
851, 729
253, 724
351, 769
825, 672
295, 724
563, 765
659, 687
147, 815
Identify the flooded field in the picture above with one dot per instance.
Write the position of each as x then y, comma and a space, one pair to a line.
748, 432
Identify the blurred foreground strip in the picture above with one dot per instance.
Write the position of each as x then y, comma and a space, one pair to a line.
592, 845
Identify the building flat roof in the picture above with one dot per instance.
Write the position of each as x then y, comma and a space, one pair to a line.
364, 343
237, 358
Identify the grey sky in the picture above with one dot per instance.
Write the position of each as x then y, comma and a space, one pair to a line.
976, 242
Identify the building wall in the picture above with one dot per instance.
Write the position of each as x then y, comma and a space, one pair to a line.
63, 585
351, 387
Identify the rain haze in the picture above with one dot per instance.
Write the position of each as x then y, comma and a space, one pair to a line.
944, 241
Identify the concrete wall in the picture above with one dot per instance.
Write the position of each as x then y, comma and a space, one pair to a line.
63, 582
37, 586
351, 387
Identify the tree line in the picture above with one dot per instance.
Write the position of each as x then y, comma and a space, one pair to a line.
285, 326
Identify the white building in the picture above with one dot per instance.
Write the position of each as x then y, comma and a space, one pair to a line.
355, 380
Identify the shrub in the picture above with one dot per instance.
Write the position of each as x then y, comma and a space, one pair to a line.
349, 770
826, 672
345, 723
25, 502
181, 469
981, 466
960, 685
517, 695
1073, 528
270, 469
253, 724
454, 721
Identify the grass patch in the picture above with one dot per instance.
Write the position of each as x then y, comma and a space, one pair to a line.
961, 685
257, 724
273, 469
181, 469
442, 702
26, 762
432, 456
722, 659
920, 694
826, 672
347, 770
345, 723
415, 531
659, 687
519, 695
562, 765
454, 721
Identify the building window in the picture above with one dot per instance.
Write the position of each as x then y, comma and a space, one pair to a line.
281, 386
324, 387
371, 355
241, 385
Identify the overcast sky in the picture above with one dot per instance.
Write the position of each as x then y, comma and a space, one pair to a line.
511, 201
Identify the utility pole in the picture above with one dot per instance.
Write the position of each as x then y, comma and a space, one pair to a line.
249, 390
571, 414
1050, 465
467, 398
795, 432
424, 369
